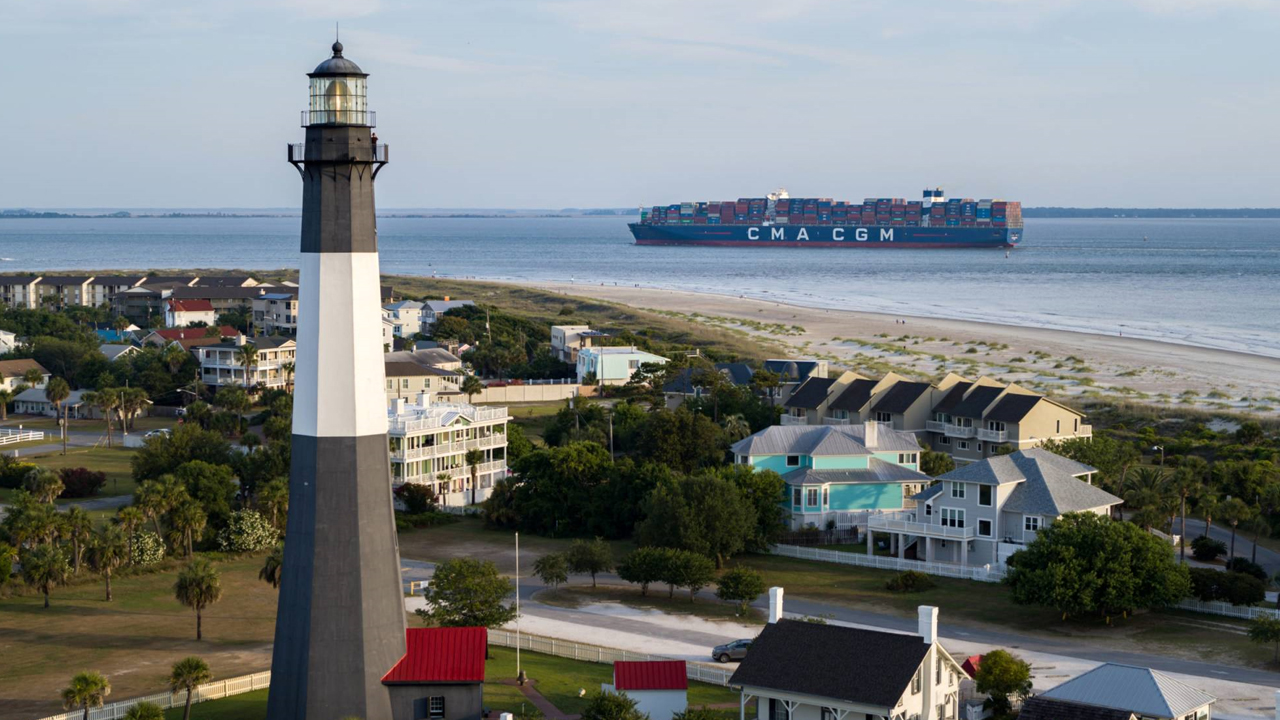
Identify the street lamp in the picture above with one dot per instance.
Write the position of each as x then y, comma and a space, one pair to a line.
1161, 449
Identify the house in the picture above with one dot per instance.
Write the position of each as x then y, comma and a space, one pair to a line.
222, 363
127, 336
405, 378
841, 474
33, 401
659, 687
388, 334
276, 312
13, 373
792, 374
688, 383
1123, 689
430, 439
113, 351
567, 340
441, 675
438, 358
183, 313
405, 317
799, 670
432, 310
162, 338
972, 420
613, 365
810, 403
19, 291
981, 513
8, 341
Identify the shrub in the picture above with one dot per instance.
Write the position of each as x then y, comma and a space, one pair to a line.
1204, 584
1240, 589
148, 548
81, 482
740, 585
417, 498
247, 531
7, 555
13, 472
1207, 549
910, 581
1248, 567
431, 518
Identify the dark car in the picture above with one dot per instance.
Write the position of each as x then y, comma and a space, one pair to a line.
735, 650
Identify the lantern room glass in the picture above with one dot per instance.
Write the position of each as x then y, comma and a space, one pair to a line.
338, 100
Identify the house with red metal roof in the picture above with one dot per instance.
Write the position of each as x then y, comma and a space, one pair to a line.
441, 675
181, 313
659, 687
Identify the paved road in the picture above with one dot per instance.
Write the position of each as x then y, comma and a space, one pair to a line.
1267, 558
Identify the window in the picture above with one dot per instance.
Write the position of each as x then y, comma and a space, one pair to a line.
906, 458
944, 440
404, 383
979, 447
1058, 427
812, 497
777, 710
984, 495
941, 417
917, 681
937, 674
952, 517
984, 528
827, 714
957, 490
962, 444
884, 417
795, 497
928, 509
391, 384
633, 364
1031, 523
793, 461
1075, 425
826, 496
435, 706
995, 425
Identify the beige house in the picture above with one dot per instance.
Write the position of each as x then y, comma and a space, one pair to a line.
406, 379
973, 419
276, 312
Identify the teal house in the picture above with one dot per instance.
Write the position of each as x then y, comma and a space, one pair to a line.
838, 473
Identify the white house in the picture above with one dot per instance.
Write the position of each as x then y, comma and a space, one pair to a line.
33, 401
405, 317
567, 340
13, 373
181, 313
433, 309
981, 513
115, 351
1119, 692
799, 670
430, 439
659, 687
613, 365
276, 312
222, 363
8, 341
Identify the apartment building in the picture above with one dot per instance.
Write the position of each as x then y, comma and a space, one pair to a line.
221, 363
429, 440
276, 312
64, 290
19, 291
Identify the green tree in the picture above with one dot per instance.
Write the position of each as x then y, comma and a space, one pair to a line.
273, 566
471, 386
108, 551
57, 391
199, 586
1265, 629
736, 427
1085, 563
106, 400
8, 555
465, 592
473, 458
247, 354
188, 674
589, 556
233, 399
740, 585
87, 690
144, 711
1186, 483
934, 464
706, 514
606, 705
188, 520
44, 485
645, 566
213, 486
1234, 511
272, 499
6, 397
552, 569
133, 400
129, 518
690, 571
1005, 678
45, 566
77, 527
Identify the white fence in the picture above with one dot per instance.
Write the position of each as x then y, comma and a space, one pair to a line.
599, 654
1236, 611
209, 691
981, 573
9, 436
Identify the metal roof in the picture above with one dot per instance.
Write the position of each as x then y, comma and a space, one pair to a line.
824, 440
877, 472
337, 65
650, 675
1137, 689
440, 655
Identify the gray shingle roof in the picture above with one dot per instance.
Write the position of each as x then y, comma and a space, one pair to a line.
1013, 407
824, 440
900, 397
810, 394
952, 398
928, 493
877, 472
736, 373
854, 396
1137, 689
791, 370
1046, 482
976, 401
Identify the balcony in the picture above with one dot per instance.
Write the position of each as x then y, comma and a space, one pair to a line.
905, 522
835, 421
959, 431
441, 449
935, 426
463, 473
793, 420
995, 436
366, 118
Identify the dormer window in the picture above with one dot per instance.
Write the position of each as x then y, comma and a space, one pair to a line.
793, 461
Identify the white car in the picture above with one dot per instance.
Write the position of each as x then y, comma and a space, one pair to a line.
162, 432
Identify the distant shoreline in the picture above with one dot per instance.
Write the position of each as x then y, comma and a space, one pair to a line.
481, 213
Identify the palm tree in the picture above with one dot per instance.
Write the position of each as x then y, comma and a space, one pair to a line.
56, 392
188, 674
132, 401
273, 566
145, 711
87, 690
188, 520
288, 369
198, 587
471, 386
44, 485
174, 357
1259, 526
108, 552
77, 527
444, 479
1234, 511
248, 357
33, 377
1186, 483
44, 566
273, 499
250, 441
473, 458
106, 401
129, 519
1207, 505
121, 323
6, 397
736, 427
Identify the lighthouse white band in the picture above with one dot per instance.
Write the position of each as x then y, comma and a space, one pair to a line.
339, 373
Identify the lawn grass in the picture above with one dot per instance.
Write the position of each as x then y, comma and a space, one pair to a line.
534, 418
133, 640
249, 706
706, 605
470, 538
139, 425
115, 462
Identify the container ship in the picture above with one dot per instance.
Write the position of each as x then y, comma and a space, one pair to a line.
783, 221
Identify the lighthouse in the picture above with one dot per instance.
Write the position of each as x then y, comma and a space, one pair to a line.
340, 623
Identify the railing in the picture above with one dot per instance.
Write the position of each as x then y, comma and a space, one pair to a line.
209, 691
993, 435
959, 431
981, 573
439, 449
367, 118
1220, 608
835, 421
459, 472
935, 426
471, 412
9, 436
793, 420
907, 523
710, 674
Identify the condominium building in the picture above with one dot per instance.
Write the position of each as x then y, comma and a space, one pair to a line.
64, 290
276, 312
222, 363
19, 290
429, 440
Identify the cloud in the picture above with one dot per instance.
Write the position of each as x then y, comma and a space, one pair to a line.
399, 50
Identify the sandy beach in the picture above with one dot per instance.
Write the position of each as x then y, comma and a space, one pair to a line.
1054, 361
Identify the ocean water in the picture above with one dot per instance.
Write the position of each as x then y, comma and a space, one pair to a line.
1207, 282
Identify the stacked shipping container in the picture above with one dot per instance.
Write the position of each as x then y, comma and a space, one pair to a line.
965, 212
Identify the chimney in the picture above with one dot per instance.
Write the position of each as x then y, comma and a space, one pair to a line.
446, 298
775, 604
240, 339
871, 434
928, 623
397, 406
424, 398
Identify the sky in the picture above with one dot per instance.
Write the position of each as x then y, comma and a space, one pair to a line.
620, 103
